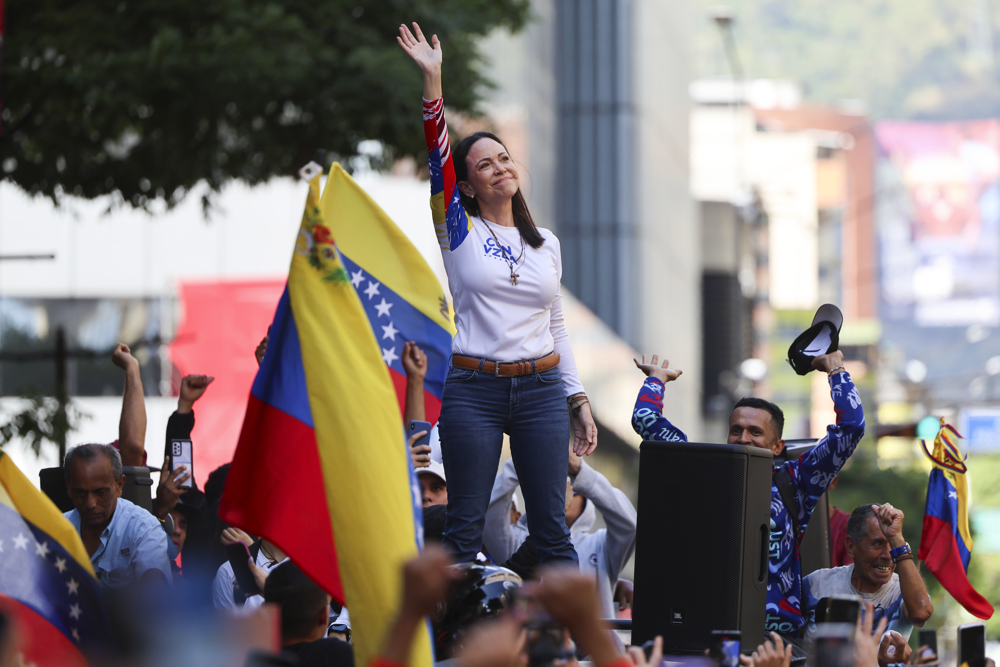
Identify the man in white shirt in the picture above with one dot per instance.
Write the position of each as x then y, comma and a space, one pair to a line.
883, 573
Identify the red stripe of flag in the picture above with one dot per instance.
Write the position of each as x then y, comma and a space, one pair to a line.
275, 489
944, 560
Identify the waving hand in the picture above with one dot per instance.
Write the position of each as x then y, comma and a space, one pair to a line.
428, 57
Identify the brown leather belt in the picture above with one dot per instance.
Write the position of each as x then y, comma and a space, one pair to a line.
506, 370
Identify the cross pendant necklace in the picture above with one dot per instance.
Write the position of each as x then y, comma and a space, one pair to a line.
511, 263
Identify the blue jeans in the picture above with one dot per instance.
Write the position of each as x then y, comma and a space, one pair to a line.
477, 409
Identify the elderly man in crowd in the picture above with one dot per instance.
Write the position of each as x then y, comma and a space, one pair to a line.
883, 573
126, 544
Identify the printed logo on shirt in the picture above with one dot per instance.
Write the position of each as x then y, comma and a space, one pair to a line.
124, 552
491, 249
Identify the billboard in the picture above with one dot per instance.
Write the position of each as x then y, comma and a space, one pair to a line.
938, 220
981, 428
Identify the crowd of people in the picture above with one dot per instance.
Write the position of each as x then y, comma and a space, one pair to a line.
512, 372
130, 546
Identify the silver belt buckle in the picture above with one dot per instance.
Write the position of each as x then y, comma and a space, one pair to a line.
496, 369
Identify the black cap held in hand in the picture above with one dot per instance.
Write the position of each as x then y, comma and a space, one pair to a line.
821, 338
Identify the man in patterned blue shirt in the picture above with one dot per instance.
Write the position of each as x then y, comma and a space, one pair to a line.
759, 423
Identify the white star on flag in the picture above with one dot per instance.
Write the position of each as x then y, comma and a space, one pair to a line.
372, 289
74, 611
953, 494
356, 278
389, 332
383, 308
21, 542
76, 635
72, 585
389, 356
61, 564
41, 549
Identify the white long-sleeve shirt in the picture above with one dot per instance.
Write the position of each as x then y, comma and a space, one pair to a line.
505, 322
496, 319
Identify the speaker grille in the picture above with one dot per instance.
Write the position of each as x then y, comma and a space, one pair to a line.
691, 531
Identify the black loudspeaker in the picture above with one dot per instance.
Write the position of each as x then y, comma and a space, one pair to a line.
701, 543
138, 486
53, 483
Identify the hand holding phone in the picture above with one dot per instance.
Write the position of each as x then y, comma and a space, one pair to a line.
927, 651
972, 645
181, 455
419, 439
724, 648
418, 427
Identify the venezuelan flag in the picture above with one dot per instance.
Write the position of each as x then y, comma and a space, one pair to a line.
47, 584
401, 295
322, 467
946, 543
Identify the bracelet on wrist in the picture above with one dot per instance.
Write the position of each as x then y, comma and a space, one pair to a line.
901, 553
838, 369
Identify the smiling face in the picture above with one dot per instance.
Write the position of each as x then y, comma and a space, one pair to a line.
873, 566
754, 427
94, 491
492, 176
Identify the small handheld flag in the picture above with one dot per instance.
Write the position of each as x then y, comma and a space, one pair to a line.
47, 584
946, 542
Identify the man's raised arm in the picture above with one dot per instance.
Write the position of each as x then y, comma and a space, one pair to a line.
647, 416
820, 465
917, 603
132, 426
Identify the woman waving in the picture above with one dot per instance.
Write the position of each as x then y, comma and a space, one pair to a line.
512, 368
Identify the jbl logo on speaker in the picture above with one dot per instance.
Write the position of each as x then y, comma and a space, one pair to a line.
677, 617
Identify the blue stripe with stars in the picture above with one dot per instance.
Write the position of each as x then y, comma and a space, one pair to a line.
38, 572
395, 321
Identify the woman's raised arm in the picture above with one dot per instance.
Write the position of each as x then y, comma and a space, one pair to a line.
451, 223
428, 57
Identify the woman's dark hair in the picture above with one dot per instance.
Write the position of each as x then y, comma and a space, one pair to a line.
522, 216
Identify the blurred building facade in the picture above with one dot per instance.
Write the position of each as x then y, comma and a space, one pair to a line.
594, 94
786, 193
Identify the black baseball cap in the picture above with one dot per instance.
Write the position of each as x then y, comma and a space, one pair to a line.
821, 338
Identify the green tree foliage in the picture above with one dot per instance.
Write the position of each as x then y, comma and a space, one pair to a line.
926, 59
144, 100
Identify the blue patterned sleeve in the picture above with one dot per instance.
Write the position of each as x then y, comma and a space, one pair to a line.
647, 418
815, 470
